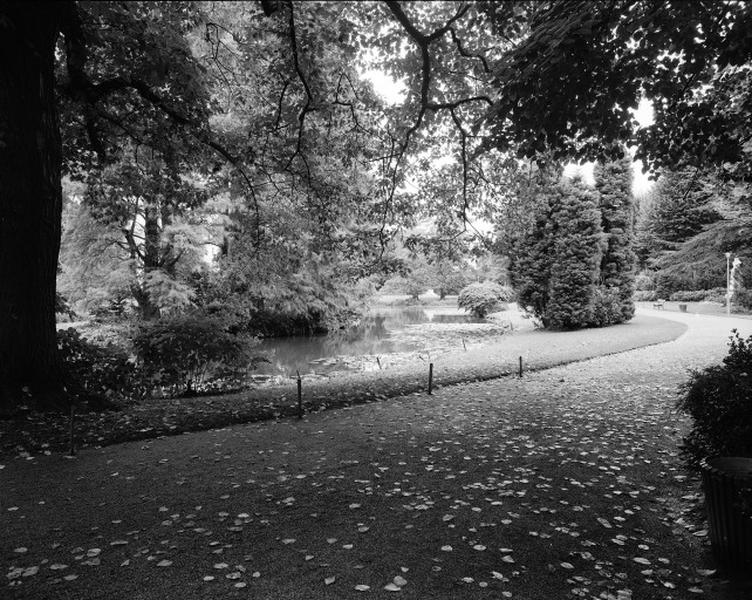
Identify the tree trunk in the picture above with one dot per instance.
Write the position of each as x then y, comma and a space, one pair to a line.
30, 205
152, 258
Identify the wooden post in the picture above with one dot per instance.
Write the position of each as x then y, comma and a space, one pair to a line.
430, 379
378, 361
463, 344
520, 366
72, 451
300, 397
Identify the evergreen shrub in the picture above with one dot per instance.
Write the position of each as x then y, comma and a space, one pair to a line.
719, 401
607, 307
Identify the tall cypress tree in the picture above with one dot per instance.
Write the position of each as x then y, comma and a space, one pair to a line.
576, 259
613, 182
555, 266
530, 257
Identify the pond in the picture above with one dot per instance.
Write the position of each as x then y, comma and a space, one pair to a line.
385, 331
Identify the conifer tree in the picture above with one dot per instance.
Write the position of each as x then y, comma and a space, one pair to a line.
613, 182
577, 254
555, 266
530, 257
683, 207
681, 213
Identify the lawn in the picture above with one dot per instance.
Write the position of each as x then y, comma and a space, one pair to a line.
699, 308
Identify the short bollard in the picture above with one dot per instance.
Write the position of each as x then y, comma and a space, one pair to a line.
520, 366
378, 360
430, 379
300, 397
72, 450
463, 344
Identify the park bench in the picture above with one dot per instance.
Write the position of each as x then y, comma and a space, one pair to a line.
658, 303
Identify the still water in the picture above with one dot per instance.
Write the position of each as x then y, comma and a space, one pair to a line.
378, 334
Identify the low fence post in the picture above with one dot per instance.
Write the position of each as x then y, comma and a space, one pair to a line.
72, 436
300, 396
430, 379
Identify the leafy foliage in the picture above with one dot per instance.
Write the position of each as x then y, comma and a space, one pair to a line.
102, 376
598, 60
265, 101
482, 298
645, 296
62, 307
719, 401
183, 353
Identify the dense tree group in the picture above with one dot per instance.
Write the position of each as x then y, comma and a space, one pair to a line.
573, 267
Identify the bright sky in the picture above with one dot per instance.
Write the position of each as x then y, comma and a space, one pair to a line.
390, 90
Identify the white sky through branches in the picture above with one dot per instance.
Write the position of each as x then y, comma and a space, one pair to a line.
393, 92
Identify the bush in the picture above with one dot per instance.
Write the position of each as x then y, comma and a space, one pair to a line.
688, 296
645, 296
482, 298
743, 298
719, 400
607, 307
189, 353
644, 281
716, 295
100, 375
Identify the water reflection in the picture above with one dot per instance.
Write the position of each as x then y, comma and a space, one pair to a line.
374, 335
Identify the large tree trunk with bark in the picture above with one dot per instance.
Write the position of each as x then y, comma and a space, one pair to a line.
30, 205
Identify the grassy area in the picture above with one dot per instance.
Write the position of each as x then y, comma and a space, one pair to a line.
699, 308
35, 433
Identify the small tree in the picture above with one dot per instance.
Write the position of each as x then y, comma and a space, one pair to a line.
482, 298
449, 277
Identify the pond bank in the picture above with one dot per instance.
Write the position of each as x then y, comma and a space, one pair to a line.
45, 433
386, 335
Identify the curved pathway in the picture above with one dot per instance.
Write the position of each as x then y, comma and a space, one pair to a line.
563, 484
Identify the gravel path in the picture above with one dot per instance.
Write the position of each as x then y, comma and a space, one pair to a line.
563, 484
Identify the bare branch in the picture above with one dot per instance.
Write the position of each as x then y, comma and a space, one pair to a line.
308, 106
466, 54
